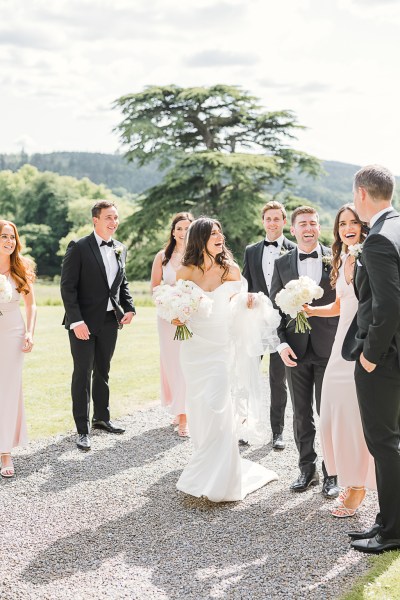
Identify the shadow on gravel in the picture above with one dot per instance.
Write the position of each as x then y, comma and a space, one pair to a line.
125, 452
273, 546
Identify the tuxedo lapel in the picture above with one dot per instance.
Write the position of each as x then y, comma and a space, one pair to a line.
96, 251
325, 275
259, 266
293, 263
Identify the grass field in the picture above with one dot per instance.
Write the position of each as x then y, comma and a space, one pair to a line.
134, 378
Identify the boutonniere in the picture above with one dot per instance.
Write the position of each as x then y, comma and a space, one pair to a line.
327, 261
118, 251
283, 251
355, 250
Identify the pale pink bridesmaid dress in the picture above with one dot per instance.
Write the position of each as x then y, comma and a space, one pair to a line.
172, 380
343, 444
12, 414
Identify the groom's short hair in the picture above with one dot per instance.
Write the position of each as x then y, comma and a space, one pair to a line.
97, 208
303, 210
273, 204
378, 181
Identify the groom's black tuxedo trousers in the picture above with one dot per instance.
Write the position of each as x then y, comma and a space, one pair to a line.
92, 360
375, 331
313, 350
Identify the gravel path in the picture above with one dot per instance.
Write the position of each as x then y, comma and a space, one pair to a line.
111, 524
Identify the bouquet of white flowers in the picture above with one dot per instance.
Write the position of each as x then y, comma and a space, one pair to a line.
296, 293
180, 301
5, 289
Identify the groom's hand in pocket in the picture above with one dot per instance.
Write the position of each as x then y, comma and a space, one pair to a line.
366, 365
287, 355
82, 332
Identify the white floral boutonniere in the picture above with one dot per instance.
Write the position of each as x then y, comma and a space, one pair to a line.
355, 250
283, 251
327, 261
118, 251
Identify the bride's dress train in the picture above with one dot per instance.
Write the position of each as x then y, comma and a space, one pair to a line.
216, 469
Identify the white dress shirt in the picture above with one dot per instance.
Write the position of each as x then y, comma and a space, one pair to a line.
379, 214
270, 254
312, 267
111, 266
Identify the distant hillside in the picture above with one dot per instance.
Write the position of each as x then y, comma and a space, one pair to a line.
110, 169
329, 191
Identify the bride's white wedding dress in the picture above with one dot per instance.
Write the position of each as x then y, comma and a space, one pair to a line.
216, 469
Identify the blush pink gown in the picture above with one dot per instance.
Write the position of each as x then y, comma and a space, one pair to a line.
342, 439
172, 381
12, 415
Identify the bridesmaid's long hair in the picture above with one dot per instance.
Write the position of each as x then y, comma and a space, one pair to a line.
22, 269
198, 235
170, 245
337, 246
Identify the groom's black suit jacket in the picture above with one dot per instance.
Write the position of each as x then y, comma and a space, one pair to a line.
84, 286
252, 268
323, 330
375, 330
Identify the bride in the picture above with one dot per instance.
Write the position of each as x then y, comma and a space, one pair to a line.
216, 469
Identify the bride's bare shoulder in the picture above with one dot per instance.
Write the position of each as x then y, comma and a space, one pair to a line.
234, 273
185, 273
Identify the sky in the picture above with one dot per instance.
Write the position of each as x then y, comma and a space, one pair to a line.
333, 62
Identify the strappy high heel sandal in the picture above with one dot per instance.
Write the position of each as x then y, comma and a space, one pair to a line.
9, 470
183, 430
343, 511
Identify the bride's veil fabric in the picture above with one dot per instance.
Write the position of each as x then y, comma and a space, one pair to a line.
253, 334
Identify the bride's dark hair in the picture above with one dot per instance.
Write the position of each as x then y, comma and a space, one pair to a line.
337, 246
199, 233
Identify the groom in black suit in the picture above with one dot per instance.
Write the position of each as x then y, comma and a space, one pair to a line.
373, 341
97, 303
306, 354
259, 260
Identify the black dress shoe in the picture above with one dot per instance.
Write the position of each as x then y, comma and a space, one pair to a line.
330, 488
304, 481
83, 442
375, 545
277, 441
243, 443
368, 533
107, 426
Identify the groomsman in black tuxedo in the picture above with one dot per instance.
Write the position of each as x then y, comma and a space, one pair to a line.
259, 260
306, 354
97, 303
373, 341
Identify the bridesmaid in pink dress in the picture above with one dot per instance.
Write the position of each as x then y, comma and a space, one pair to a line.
165, 266
15, 339
343, 444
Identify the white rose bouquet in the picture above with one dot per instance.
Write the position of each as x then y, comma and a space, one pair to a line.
296, 293
180, 301
5, 289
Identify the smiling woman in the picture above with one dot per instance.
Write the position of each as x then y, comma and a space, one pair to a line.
15, 339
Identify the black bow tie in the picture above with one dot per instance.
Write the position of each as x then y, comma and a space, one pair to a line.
311, 255
270, 243
109, 244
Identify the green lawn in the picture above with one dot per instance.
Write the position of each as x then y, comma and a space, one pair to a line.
134, 378
382, 582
